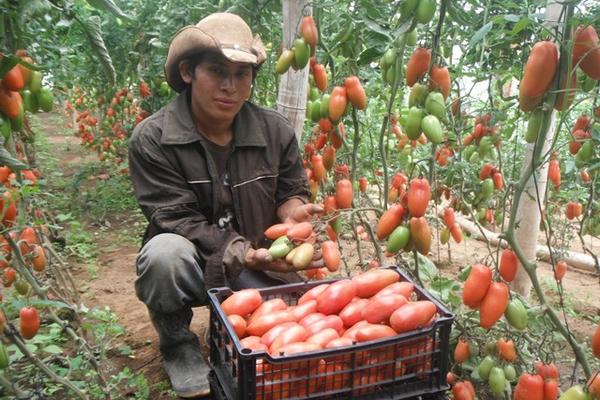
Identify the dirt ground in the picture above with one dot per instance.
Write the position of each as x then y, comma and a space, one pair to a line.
113, 284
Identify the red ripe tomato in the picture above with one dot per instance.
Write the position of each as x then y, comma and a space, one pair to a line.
509, 264
418, 65
242, 302
344, 194
369, 332
461, 392
13, 79
238, 324
449, 217
551, 389
329, 321
418, 197
300, 231
320, 76
405, 289
29, 322
412, 315
456, 233
379, 308
318, 168
9, 276
27, 238
420, 234
337, 295
594, 385
363, 183
337, 103
353, 312
294, 333
331, 255
302, 310
574, 210
529, 387
253, 343
263, 323
372, 281
498, 180
554, 172
476, 285
486, 171
313, 293
355, 92
277, 230
268, 307
8, 209
560, 269
308, 31
493, 304
440, 79
323, 337
390, 219
269, 336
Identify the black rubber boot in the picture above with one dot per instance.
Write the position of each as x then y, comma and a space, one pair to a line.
180, 349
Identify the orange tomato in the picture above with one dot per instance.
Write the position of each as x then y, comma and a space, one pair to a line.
596, 342
493, 305
440, 80
331, 255
320, 77
554, 172
390, 219
586, 51
418, 196
476, 285
276, 231
509, 264
418, 65
362, 184
11, 103
506, 349
13, 79
242, 302
538, 74
300, 231
318, 168
344, 193
308, 31
355, 92
461, 351
574, 210
412, 315
238, 324
420, 234
560, 269
449, 217
337, 103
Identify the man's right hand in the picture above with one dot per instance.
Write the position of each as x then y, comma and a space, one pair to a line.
261, 260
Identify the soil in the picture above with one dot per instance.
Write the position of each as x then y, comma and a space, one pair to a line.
113, 283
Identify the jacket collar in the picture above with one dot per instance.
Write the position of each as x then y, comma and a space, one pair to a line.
179, 125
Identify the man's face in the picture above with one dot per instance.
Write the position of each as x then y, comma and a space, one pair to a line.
219, 88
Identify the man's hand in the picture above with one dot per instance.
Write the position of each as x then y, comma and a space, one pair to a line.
261, 260
295, 213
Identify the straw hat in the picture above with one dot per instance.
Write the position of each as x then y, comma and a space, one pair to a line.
225, 32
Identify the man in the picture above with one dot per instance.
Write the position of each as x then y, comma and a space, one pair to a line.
211, 172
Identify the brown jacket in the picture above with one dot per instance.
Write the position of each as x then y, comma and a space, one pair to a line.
174, 182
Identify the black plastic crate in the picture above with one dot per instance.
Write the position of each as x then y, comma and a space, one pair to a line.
410, 365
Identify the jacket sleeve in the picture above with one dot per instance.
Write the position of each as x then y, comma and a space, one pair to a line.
291, 182
171, 206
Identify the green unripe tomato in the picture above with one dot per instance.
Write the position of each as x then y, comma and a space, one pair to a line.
45, 99
324, 106
301, 53
485, 367
284, 62
497, 380
425, 11
487, 187
575, 393
516, 314
413, 123
398, 239
434, 104
418, 95
35, 84
433, 129
534, 125
510, 373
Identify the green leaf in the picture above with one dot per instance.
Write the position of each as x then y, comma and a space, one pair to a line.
93, 32
427, 267
376, 28
8, 159
480, 34
7, 63
110, 6
511, 17
522, 24
52, 349
369, 55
